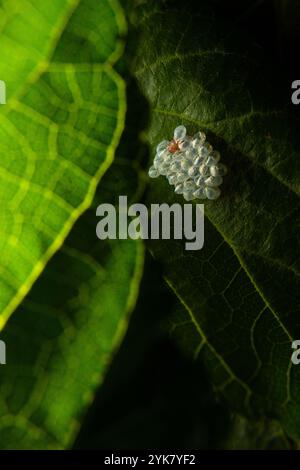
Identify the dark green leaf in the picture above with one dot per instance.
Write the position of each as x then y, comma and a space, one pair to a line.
241, 291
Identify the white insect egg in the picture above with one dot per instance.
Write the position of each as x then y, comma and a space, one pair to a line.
185, 165
189, 185
210, 161
199, 193
214, 181
172, 179
212, 193
208, 147
179, 189
196, 143
188, 195
190, 165
184, 145
179, 133
153, 172
181, 177
204, 170
221, 169
200, 181
162, 146
198, 161
193, 171
176, 166
200, 136
203, 152
216, 155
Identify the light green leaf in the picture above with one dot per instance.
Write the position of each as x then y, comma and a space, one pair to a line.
241, 291
61, 340
59, 129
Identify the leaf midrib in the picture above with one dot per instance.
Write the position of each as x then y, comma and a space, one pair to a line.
222, 361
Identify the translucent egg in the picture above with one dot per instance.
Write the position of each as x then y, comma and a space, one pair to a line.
172, 179
200, 193
216, 155
162, 146
214, 181
198, 161
208, 147
203, 152
184, 145
193, 171
200, 181
212, 193
152, 172
210, 161
189, 186
181, 177
218, 170
200, 136
185, 165
179, 189
157, 162
175, 166
204, 170
188, 195
179, 133
196, 143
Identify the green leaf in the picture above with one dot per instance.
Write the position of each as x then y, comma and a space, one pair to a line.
241, 291
62, 339
160, 386
59, 132
59, 129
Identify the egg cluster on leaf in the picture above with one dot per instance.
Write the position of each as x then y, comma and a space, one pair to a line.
190, 165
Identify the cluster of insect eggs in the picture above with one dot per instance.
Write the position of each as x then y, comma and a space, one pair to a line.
190, 165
